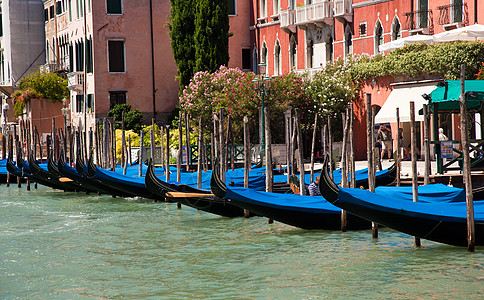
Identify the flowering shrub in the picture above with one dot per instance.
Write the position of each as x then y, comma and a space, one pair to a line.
227, 88
332, 88
480, 74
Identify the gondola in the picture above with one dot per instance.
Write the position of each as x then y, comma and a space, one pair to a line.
443, 222
44, 177
89, 184
307, 212
70, 184
200, 199
128, 185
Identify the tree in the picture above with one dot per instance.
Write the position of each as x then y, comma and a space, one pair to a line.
48, 86
182, 27
132, 118
211, 35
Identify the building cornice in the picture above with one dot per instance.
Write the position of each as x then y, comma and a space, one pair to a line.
370, 2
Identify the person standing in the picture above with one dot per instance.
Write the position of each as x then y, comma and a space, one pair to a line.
385, 138
401, 144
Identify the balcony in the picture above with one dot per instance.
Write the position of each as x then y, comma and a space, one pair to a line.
288, 21
75, 81
343, 11
453, 15
56, 66
419, 21
315, 15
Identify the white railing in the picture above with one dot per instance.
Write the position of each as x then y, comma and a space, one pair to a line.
75, 80
288, 18
342, 7
316, 12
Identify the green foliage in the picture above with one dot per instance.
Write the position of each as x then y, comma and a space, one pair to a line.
211, 35
132, 118
47, 86
18, 108
417, 60
182, 27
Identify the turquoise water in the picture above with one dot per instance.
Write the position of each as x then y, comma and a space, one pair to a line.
56, 245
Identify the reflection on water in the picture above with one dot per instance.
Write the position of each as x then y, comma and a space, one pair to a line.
67, 245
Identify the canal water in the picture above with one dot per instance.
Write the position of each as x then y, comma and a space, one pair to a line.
56, 245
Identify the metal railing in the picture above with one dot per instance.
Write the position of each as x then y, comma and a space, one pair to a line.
453, 13
419, 19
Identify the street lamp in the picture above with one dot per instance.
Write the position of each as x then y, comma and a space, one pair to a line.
262, 83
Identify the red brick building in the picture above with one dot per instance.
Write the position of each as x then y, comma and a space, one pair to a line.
298, 35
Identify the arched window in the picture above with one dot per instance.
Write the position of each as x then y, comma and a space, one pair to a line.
348, 41
329, 48
378, 36
293, 54
263, 57
255, 59
396, 29
309, 53
277, 59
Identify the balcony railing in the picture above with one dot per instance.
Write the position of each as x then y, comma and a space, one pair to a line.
343, 9
420, 20
453, 13
288, 20
315, 14
75, 81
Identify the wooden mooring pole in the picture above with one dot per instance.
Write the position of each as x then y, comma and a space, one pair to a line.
413, 133
466, 172
370, 155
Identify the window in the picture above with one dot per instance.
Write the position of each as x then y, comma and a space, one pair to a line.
79, 103
231, 7
90, 102
329, 49
292, 4
276, 7
79, 56
423, 6
277, 59
293, 54
1, 23
263, 58
114, 7
51, 11
362, 28
309, 52
89, 55
117, 98
378, 36
47, 51
70, 10
246, 59
348, 41
263, 8
71, 58
46, 15
456, 11
396, 29
116, 56
58, 7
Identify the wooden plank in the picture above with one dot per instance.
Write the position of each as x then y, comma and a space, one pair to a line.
188, 195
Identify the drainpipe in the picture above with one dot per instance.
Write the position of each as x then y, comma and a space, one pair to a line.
475, 11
